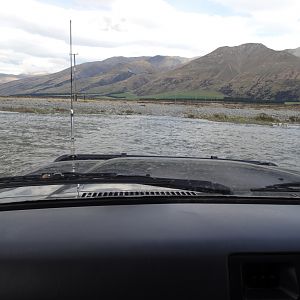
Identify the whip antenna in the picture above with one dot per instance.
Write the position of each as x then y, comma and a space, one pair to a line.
72, 139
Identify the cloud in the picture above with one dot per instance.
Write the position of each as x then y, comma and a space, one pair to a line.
106, 4
37, 32
256, 5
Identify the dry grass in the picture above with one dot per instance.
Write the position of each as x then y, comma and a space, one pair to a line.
35, 110
261, 119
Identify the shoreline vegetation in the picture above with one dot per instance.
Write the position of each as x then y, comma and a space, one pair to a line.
260, 119
241, 113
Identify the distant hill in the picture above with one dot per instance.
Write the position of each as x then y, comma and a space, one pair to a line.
295, 52
116, 74
248, 71
10, 77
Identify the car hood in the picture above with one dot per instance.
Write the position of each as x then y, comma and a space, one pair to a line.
239, 176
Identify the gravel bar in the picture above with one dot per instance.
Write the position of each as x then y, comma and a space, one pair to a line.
132, 107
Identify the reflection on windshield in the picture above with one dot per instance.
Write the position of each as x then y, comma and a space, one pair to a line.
27, 191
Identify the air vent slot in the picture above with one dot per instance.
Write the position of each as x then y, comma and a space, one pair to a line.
139, 194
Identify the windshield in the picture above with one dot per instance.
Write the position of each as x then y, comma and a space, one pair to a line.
216, 80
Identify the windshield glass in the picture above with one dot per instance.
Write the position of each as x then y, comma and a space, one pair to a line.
208, 79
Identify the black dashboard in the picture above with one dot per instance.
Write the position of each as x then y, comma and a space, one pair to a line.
151, 251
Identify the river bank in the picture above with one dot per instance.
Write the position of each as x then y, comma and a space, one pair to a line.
220, 112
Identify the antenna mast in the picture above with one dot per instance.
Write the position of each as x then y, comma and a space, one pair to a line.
74, 77
72, 150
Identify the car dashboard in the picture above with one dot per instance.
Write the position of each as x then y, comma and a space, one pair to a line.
151, 251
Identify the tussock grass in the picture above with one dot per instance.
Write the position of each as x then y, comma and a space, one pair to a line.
261, 119
294, 119
129, 112
35, 110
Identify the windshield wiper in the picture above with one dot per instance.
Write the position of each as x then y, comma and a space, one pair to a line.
281, 187
73, 178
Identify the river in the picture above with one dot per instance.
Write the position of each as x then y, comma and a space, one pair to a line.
28, 140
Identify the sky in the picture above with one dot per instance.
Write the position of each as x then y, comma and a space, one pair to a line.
34, 34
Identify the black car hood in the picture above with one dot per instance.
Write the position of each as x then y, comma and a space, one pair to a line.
238, 175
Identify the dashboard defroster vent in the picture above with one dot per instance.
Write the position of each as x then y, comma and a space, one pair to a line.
139, 194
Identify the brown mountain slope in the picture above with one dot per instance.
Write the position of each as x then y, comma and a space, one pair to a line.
295, 52
106, 76
249, 70
11, 77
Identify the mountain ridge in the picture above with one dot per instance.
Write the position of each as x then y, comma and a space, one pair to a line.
4, 78
295, 51
249, 70
94, 74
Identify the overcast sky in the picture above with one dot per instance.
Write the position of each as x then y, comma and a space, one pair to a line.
34, 33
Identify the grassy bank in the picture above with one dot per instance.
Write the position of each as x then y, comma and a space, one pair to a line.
189, 96
215, 111
260, 119
55, 110
35, 110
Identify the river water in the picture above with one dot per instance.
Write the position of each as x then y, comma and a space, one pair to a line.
27, 140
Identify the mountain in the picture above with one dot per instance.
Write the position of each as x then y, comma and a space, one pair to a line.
10, 77
116, 74
248, 70
295, 52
